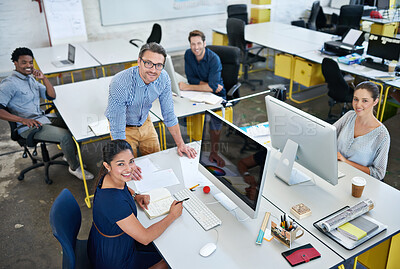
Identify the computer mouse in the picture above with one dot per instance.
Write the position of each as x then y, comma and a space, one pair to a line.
368, 59
208, 249
397, 68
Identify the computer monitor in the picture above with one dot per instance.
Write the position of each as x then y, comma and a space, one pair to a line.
315, 140
169, 67
387, 48
234, 162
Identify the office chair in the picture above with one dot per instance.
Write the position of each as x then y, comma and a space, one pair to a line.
155, 36
65, 221
30, 141
235, 29
349, 17
239, 12
339, 90
230, 60
316, 21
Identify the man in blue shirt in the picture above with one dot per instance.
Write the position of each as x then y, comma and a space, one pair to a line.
202, 67
20, 94
131, 95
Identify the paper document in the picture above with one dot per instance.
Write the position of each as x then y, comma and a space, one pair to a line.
100, 127
202, 97
155, 180
146, 165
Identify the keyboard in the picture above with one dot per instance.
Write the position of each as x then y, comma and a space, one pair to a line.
199, 211
376, 66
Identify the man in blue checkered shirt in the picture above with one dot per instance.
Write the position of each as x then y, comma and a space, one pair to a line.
131, 95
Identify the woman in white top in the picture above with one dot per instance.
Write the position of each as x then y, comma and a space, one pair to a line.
363, 141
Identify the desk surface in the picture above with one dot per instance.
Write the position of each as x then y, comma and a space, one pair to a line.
183, 107
380, 21
44, 57
324, 199
113, 51
82, 103
236, 248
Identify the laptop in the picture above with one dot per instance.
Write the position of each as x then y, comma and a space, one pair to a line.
69, 61
175, 77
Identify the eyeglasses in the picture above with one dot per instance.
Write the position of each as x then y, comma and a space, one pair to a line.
149, 65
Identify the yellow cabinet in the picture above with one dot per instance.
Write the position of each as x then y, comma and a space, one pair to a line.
220, 39
261, 2
260, 15
388, 29
307, 73
283, 65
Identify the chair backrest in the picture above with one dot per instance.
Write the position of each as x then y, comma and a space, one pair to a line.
238, 11
230, 60
155, 35
235, 30
312, 20
338, 88
65, 222
350, 15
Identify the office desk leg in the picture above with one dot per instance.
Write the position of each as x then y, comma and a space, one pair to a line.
165, 139
341, 266
384, 103
160, 134
380, 85
87, 198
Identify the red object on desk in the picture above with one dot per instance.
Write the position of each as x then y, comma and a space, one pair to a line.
206, 189
375, 14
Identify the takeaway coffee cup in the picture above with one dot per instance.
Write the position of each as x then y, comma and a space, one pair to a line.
391, 68
357, 186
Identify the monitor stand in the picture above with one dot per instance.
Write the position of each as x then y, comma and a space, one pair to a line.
285, 170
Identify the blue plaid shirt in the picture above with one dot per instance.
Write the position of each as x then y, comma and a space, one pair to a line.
21, 95
130, 100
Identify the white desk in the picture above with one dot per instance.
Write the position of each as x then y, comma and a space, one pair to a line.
324, 199
236, 248
44, 57
114, 51
6, 66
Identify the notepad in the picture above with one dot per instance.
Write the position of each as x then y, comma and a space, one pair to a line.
357, 228
160, 203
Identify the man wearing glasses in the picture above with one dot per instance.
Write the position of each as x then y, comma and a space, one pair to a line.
131, 95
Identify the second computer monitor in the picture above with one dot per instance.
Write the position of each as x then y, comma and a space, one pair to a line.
234, 162
386, 48
316, 139
169, 67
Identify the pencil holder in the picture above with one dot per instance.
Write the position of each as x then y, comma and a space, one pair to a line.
284, 236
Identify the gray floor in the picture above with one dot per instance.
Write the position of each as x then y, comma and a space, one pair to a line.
27, 241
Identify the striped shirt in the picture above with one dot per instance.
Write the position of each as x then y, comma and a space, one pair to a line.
21, 94
130, 100
370, 150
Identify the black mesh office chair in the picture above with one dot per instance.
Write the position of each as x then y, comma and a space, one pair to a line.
235, 29
230, 60
238, 11
155, 36
30, 141
339, 90
316, 21
349, 17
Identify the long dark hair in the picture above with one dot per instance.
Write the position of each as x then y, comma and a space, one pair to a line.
110, 150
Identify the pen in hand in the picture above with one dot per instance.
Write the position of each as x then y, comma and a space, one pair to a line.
182, 200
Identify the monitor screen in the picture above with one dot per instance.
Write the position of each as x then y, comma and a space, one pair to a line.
384, 47
316, 139
169, 67
234, 162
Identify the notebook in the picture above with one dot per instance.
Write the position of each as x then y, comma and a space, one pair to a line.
301, 255
357, 228
160, 203
70, 59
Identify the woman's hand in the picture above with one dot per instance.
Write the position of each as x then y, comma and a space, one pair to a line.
143, 200
340, 157
136, 173
176, 209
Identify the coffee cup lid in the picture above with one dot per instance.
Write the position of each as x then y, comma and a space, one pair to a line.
358, 181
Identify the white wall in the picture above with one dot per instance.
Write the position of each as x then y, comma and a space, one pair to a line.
21, 24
